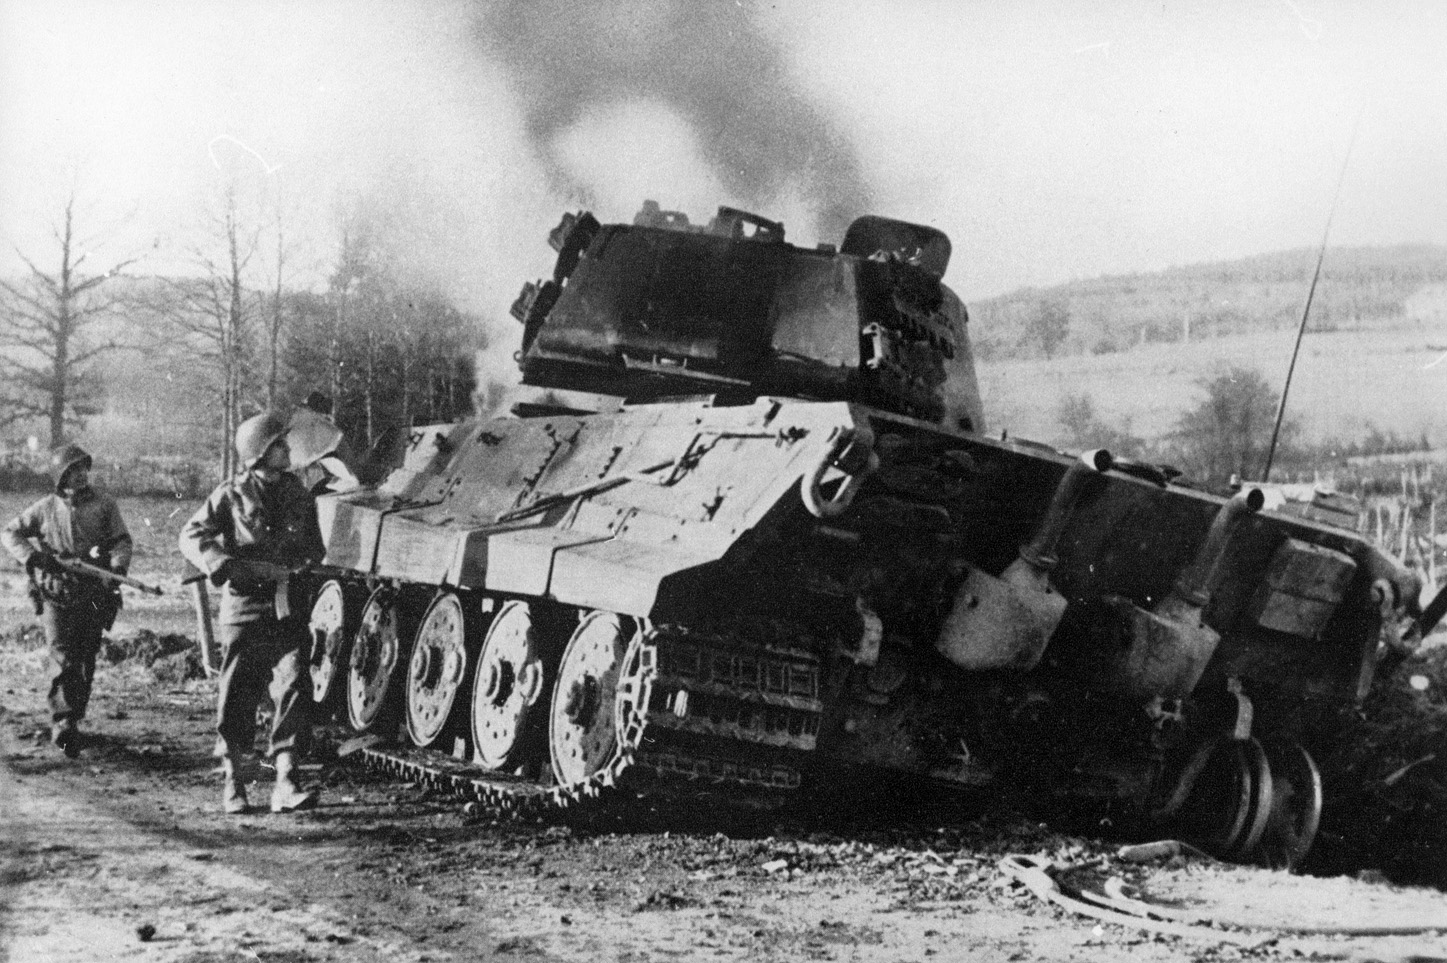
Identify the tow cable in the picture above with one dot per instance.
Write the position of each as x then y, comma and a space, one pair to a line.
1119, 905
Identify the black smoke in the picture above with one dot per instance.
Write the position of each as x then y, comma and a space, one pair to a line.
707, 59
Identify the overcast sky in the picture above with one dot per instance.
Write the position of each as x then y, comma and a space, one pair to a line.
1051, 141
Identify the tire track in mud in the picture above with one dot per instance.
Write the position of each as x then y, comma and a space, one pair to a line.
79, 879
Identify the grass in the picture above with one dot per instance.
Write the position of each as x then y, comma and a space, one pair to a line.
1390, 376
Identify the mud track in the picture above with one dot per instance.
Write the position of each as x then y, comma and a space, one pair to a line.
123, 854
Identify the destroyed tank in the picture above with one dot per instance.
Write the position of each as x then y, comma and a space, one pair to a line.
750, 535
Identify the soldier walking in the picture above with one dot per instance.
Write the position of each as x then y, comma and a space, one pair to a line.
75, 522
253, 533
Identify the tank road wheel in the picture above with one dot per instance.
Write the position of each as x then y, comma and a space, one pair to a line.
333, 623
372, 676
582, 736
1295, 812
437, 668
511, 680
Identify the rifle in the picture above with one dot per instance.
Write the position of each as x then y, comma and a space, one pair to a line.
104, 574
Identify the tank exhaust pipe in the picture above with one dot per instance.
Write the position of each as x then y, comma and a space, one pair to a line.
1166, 650
1005, 622
1199, 579
1039, 552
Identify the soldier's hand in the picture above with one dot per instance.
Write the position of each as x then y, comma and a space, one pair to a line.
238, 575
251, 575
57, 584
44, 563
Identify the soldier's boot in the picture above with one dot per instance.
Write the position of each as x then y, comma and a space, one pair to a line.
233, 789
66, 737
286, 795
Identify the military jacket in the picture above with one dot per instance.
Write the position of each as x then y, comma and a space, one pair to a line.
246, 519
70, 527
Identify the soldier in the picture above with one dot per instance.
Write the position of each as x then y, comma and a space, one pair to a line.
75, 522
254, 532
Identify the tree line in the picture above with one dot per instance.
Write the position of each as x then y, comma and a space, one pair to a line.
382, 348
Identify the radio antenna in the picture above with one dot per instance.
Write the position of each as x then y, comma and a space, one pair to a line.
1310, 293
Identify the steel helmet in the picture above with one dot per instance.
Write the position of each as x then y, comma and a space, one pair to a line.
258, 433
65, 457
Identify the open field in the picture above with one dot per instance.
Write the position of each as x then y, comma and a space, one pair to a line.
1393, 377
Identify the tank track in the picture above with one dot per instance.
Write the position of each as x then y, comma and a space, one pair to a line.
698, 715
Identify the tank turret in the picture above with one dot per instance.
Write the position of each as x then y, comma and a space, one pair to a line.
662, 308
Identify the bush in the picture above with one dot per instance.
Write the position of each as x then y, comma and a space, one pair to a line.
179, 667
1083, 428
145, 647
1229, 432
165, 477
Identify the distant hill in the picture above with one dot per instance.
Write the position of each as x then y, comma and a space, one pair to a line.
1359, 287
1136, 345
1374, 357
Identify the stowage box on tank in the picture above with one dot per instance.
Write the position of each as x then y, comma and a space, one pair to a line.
754, 531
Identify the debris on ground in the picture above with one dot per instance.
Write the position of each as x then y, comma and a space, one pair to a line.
1386, 786
145, 647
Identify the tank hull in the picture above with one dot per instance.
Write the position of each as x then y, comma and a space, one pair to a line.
795, 576
825, 565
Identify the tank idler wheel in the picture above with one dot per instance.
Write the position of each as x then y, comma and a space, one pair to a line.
1218, 808
437, 669
508, 692
1258, 808
372, 689
1295, 811
582, 730
333, 624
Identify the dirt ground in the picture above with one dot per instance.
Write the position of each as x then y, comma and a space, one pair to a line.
123, 854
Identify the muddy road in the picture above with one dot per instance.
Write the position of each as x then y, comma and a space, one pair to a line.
123, 854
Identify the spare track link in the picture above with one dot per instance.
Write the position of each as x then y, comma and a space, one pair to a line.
702, 714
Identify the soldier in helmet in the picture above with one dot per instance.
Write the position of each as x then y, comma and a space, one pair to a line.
76, 521
255, 532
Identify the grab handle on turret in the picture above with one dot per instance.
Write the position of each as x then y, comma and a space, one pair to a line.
1039, 552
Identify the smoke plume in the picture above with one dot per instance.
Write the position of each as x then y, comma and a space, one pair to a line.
709, 62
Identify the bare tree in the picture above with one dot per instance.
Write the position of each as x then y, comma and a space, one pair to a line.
276, 321
279, 316
353, 288
46, 328
215, 314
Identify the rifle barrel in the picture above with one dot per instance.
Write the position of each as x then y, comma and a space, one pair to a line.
85, 568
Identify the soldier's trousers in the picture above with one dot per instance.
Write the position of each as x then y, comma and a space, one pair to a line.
261, 657
73, 633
